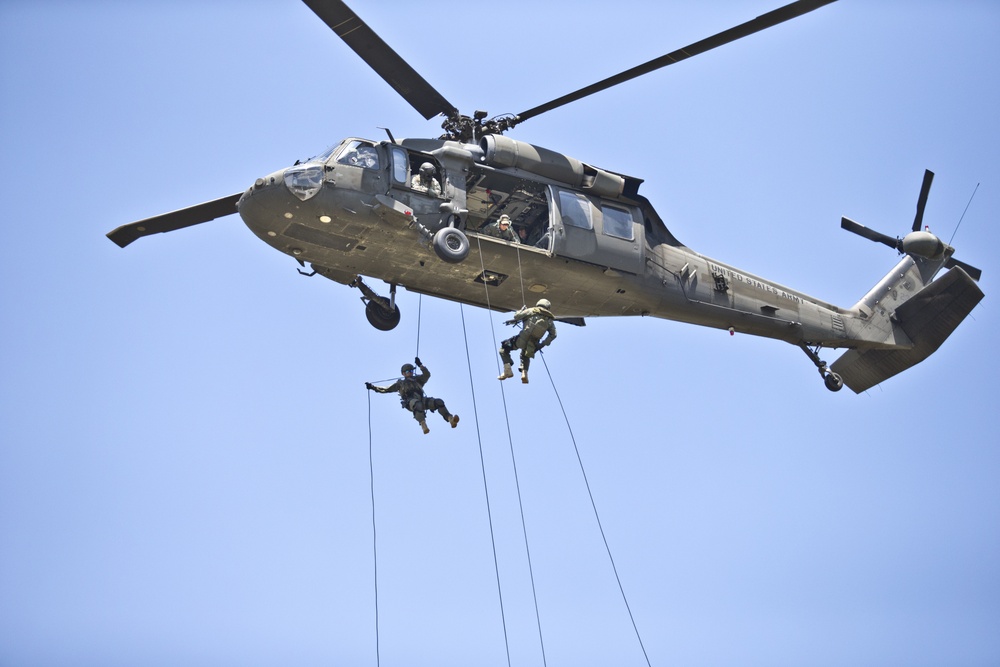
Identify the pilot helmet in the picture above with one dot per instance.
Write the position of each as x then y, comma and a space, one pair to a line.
407, 368
427, 169
544, 303
504, 220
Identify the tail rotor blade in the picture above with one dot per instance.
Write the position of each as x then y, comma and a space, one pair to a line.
870, 234
973, 272
925, 188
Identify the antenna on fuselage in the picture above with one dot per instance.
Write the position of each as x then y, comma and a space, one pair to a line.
962, 217
392, 139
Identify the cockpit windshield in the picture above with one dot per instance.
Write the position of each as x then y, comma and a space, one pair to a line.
359, 153
325, 155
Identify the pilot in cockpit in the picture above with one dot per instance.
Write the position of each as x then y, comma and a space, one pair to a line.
360, 155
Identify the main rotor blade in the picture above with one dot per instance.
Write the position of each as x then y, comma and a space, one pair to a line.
870, 234
168, 222
380, 57
768, 20
925, 189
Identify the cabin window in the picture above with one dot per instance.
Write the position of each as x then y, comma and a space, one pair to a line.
575, 210
400, 165
618, 222
360, 154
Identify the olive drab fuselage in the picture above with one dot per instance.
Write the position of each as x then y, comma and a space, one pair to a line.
606, 251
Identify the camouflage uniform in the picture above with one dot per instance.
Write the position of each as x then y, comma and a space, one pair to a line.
505, 233
413, 398
536, 322
424, 180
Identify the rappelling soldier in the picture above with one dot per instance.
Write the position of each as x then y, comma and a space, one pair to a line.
412, 396
536, 322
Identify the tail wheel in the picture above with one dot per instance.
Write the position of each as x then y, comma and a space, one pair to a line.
451, 245
382, 318
833, 382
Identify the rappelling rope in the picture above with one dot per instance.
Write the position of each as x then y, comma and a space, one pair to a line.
486, 489
510, 443
520, 274
594, 506
420, 307
371, 478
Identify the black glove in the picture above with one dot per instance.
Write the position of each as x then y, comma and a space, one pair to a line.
509, 322
369, 386
416, 360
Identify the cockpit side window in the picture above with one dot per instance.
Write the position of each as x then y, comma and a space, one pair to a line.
575, 210
618, 222
400, 165
359, 154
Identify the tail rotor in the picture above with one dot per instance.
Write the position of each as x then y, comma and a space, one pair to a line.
918, 243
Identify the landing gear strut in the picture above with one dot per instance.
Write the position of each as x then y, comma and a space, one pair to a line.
382, 313
832, 381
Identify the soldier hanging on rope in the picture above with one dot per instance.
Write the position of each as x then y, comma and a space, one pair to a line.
412, 396
536, 322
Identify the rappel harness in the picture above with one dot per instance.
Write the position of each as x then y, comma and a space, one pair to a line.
409, 389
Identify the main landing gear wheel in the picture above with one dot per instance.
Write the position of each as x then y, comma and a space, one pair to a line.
382, 313
380, 317
451, 245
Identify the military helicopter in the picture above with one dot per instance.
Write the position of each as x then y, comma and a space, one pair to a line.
587, 240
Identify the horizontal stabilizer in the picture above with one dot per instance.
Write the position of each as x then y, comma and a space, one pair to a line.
928, 318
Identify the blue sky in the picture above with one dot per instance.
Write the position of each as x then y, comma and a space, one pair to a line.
184, 431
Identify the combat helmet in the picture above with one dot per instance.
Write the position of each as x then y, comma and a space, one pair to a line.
544, 303
407, 368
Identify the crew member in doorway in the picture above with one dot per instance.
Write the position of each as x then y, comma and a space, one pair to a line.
424, 181
412, 396
536, 322
501, 229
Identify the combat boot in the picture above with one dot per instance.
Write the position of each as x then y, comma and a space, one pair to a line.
453, 420
508, 372
524, 376
423, 425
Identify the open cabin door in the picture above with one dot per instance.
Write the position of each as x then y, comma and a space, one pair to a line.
432, 209
597, 231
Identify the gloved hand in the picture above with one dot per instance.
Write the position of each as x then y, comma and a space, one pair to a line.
416, 360
369, 386
509, 322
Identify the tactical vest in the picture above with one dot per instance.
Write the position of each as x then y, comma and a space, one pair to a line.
536, 325
408, 390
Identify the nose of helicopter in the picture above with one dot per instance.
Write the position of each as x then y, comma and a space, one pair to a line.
294, 210
267, 206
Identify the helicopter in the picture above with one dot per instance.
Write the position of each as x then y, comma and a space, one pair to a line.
419, 212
